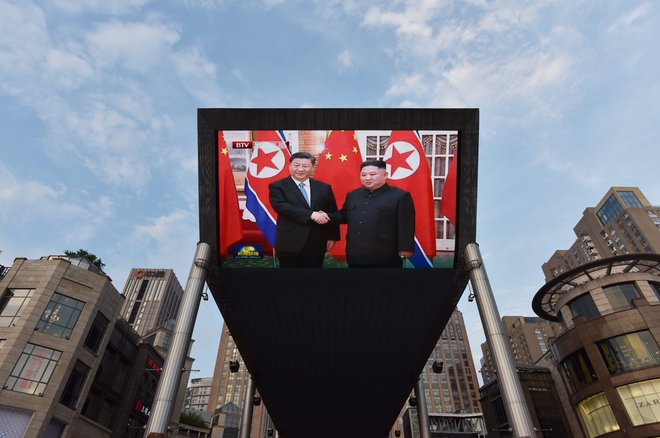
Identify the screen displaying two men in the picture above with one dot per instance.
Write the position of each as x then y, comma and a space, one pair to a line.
335, 199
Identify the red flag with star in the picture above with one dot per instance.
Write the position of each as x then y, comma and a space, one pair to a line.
339, 166
229, 214
409, 170
269, 162
448, 204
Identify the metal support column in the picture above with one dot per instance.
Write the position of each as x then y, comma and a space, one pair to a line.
170, 377
248, 405
422, 410
498, 342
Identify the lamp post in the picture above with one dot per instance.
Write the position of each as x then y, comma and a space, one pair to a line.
512, 394
168, 386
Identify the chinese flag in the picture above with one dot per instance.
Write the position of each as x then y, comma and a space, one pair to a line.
448, 204
409, 170
339, 166
229, 215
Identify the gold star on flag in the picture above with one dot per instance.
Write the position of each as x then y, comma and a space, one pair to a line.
328, 156
355, 151
224, 151
343, 158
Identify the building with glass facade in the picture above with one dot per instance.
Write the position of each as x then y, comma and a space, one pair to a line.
623, 222
605, 294
606, 356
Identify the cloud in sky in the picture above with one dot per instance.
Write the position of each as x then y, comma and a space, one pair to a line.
345, 60
73, 216
95, 92
113, 44
167, 239
99, 106
480, 55
110, 7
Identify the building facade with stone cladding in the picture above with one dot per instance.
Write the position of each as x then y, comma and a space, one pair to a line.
606, 354
56, 317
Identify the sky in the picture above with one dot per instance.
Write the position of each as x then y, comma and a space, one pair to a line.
98, 100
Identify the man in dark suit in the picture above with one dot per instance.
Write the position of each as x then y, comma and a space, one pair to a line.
381, 221
302, 234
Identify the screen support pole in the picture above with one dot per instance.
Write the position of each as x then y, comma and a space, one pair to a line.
170, 378
498, 342
248, 406
422, 410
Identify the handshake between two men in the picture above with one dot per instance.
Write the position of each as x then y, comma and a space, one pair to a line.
320, 217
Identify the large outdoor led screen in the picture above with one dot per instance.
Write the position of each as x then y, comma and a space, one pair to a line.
380, 187
397, 210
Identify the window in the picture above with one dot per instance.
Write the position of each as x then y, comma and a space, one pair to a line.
584, 306
74, 385
96, 332
629, 352
642, 401
597, 415
138, 301
578, 369
60, 316
621, 295
610, 210
630, 199
12, 303
33, 370
656, 289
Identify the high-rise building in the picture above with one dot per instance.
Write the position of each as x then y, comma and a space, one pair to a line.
623, 222
451, 389
605, 358
153, 297
528, 338
197, 394
228, 391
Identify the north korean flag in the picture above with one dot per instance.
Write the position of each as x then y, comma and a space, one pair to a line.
268, 163
409, 170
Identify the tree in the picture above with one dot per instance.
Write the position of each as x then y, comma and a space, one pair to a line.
193, 419
84, 254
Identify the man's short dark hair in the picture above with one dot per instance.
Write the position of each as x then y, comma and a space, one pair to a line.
303, 155
377, 163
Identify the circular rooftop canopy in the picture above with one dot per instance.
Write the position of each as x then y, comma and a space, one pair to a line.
545, 300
